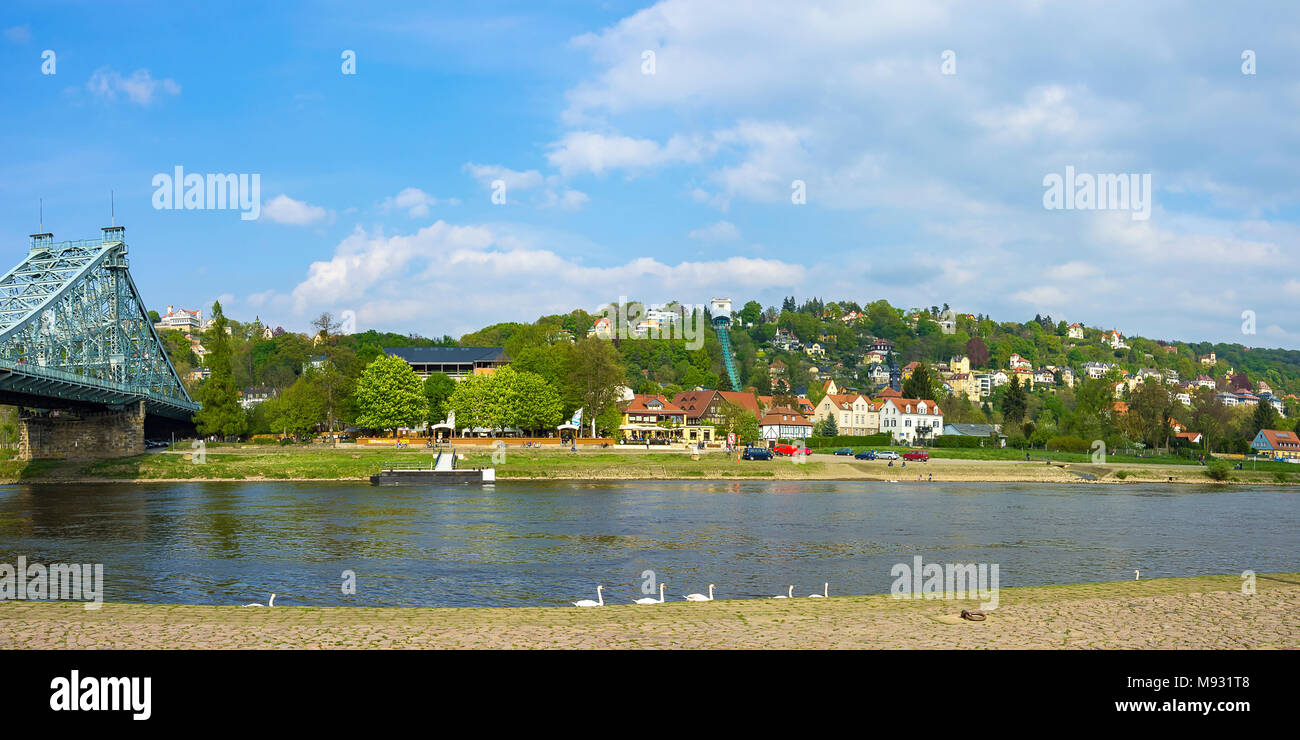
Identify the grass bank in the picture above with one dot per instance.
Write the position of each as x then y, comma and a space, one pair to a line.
258, 462
1184, 613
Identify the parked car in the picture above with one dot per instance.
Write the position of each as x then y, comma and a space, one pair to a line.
887, 455
784, 449
844, 451
865, 455
915, 455
756, 453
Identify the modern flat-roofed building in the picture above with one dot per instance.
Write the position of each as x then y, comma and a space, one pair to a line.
457, 362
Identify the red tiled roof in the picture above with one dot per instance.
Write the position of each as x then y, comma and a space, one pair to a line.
639, 401
784, 415
1280, 440
908, 405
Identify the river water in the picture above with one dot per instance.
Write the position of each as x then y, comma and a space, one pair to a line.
550, 543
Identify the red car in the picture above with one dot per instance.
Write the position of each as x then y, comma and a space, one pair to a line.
915, 455
790, 450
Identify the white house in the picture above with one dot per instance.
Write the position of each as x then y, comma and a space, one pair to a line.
1075, 331
1115, 339
907, 419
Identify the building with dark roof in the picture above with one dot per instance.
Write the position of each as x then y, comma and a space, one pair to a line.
457, 362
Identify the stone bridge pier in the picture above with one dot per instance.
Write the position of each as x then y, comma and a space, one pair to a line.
82, 435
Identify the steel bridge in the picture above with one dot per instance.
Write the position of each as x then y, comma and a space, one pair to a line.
75, 335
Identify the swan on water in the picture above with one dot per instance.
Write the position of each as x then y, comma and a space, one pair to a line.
701, 597
270, 602
826, 591
788, 595
589, 602
649, 600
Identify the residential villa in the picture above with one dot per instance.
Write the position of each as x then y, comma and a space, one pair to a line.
602, 329
1279, 444
1017, 362
1115, 340
855, 414
180, 319
1075, 331
251, 397
907, 419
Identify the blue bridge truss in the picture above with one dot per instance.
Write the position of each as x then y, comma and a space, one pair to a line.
74, 332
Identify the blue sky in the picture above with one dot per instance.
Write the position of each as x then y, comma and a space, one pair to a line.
922, 187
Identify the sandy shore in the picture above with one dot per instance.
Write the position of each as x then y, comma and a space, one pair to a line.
1181, 613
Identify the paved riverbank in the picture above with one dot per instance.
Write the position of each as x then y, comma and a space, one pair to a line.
1182, 613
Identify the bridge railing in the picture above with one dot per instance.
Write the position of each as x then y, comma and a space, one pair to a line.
27, 368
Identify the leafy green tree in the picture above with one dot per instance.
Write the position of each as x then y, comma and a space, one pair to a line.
221, 413
472, 403
389, 395
734, 419
298, 410
331, 389
593, 376
438, 388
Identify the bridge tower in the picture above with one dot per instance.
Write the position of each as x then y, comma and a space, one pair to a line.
78, 354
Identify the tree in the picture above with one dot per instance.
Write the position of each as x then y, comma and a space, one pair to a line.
1265, 417
829, 427
438, 388
594, 376
389, 395
737, 420
977, 351
752, 313
221, 414
331, 388
325, 325
297, 411
1013, 402
919, 384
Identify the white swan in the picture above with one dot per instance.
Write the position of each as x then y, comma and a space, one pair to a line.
826, 591
1135, 575
701, 597
649, 600
788, 595
270, 602
589, 602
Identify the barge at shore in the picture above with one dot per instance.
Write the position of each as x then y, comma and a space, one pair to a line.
441, 470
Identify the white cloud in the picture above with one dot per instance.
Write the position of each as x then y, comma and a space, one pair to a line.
140, 88
19, 34
471, 268
590, 152
722, 231
285, 210
513, 179
414, 201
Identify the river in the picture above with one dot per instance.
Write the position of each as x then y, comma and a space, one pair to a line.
550, 543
